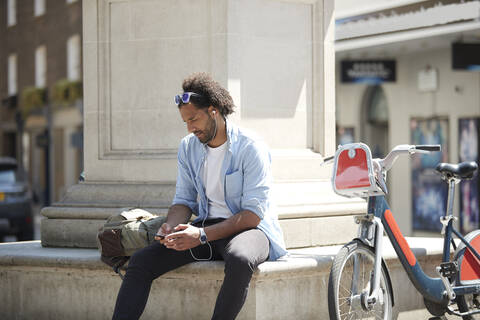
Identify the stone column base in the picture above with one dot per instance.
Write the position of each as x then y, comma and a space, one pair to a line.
310, 213
74, 221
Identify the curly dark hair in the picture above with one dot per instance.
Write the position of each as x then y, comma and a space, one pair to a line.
211, 93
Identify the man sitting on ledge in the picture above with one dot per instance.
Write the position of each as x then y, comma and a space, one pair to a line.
224, 178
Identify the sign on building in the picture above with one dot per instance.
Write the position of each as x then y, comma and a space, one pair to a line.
368, 71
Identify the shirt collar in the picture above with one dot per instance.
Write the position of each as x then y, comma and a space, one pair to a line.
230, 133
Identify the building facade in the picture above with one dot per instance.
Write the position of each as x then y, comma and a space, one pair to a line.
407, 73
40, 90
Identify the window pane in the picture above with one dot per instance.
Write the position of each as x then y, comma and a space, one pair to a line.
12, 74
7, 176
73, 57
378, 107
12, 13
41, 67
39, 8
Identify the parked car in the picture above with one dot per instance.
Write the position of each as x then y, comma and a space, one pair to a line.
16, 217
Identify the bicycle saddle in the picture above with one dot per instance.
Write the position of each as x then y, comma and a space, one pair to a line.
464, 170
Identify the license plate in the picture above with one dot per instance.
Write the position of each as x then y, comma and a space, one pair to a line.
2, 196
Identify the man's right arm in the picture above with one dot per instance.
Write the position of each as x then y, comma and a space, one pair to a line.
178, 213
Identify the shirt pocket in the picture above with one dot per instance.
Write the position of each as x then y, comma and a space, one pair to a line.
234, 184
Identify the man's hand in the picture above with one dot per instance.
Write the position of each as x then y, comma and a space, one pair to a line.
185, 237
164, 230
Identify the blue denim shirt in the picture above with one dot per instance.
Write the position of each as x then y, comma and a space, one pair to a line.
246, 180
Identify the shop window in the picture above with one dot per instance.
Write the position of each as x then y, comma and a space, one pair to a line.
374, 120
377, 107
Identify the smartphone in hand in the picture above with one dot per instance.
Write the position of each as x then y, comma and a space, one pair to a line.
159, 236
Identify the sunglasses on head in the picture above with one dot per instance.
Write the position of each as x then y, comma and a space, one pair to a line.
185, 97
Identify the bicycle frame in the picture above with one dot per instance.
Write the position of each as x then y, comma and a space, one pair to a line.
433, 289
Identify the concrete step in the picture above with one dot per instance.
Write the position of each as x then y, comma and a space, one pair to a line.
69, 283
310, 213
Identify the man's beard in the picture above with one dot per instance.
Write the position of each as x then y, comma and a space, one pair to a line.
210, 131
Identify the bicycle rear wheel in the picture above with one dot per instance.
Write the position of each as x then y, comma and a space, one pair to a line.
350, 276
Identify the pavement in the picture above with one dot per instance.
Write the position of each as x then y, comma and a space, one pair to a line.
424, 315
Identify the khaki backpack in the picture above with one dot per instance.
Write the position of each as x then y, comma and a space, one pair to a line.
124, 233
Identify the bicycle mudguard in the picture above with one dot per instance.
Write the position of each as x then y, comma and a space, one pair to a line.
468, 264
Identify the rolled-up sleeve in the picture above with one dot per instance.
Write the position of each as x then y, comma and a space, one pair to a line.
257, 179
185, 192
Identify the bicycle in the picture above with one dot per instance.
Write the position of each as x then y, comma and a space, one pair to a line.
359, 284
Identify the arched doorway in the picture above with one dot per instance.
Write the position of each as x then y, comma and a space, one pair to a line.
374, 121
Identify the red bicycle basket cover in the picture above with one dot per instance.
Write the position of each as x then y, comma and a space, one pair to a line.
352, 172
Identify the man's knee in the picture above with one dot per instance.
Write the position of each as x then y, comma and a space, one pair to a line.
246, 251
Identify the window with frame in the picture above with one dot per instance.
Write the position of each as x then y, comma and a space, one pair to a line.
39, 7
41, 67
12, 75
73, 57
11, 13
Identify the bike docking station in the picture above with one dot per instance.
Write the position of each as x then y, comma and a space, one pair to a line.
360, 283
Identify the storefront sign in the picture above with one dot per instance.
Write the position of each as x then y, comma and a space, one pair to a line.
368, 71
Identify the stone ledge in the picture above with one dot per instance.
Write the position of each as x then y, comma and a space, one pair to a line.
31, 253
75, 284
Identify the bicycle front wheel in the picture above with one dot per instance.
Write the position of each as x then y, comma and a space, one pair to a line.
350, 281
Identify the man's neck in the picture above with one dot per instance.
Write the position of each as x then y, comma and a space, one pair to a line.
221, 135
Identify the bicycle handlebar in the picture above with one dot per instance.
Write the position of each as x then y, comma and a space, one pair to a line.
328, 159
389, 160
429, 147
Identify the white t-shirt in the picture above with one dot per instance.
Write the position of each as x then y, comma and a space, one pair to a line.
217, 208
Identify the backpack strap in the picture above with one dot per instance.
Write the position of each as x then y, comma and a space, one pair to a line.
117, 270
117, 263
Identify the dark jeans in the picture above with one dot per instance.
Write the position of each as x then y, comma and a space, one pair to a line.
242, 253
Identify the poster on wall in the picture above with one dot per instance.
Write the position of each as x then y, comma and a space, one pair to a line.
468, 146
429, 192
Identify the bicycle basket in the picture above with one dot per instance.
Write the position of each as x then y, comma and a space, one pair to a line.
353, 174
